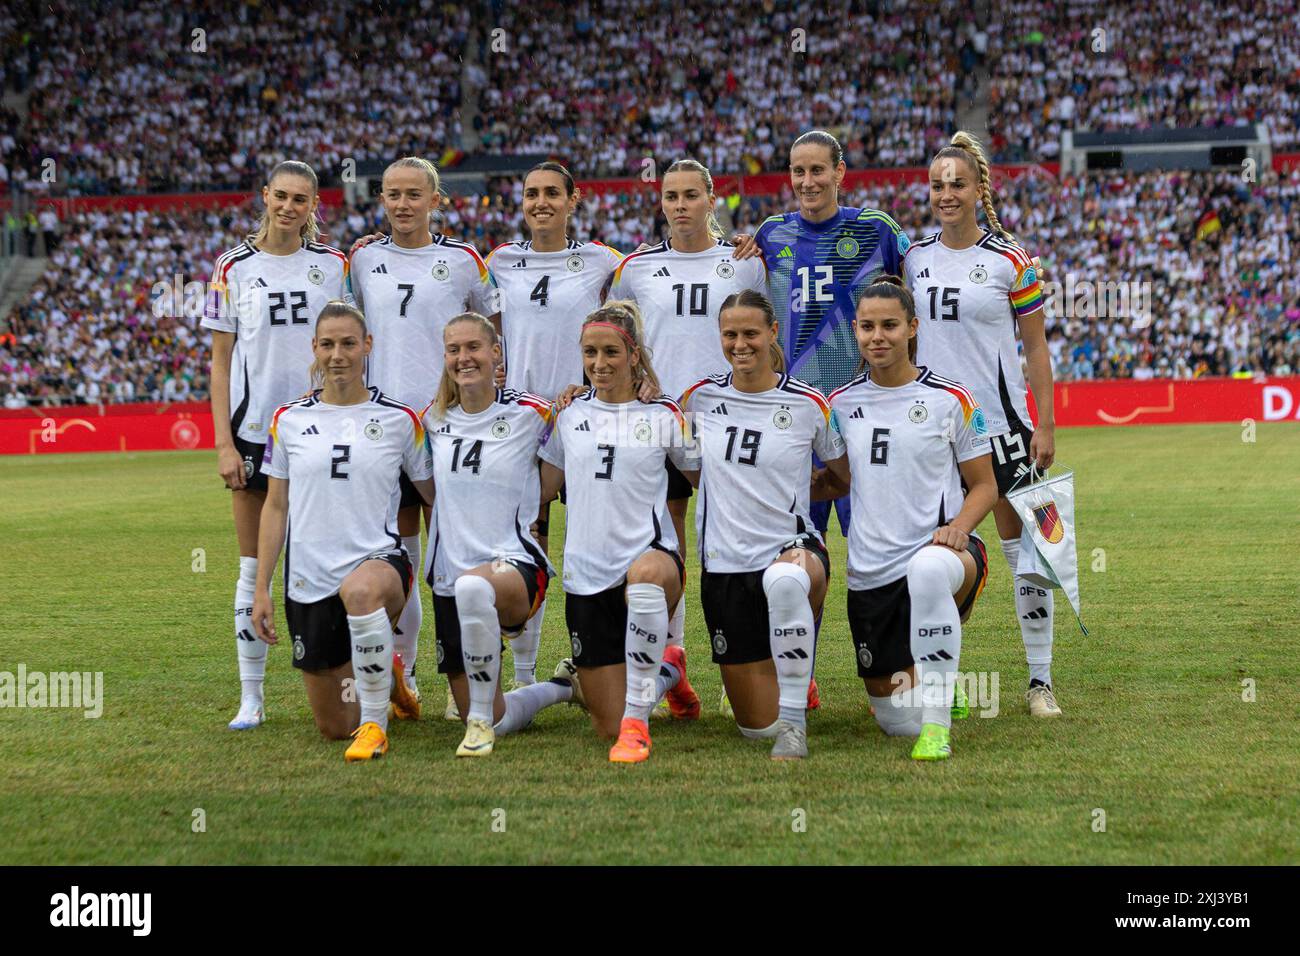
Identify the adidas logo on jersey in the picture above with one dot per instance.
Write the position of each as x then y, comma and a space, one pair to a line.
857, 413
259, 283
662, 272
521, 264
584, 427
444, 430
924, 273
721, 409
382, 269
313, 430
785, 253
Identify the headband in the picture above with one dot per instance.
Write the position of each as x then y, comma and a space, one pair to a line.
617, 328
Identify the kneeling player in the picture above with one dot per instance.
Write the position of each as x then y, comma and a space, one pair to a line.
622, 570
488, 574
913, 437
333, 461
765, 567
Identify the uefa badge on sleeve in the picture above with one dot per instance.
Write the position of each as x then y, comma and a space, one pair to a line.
315, 276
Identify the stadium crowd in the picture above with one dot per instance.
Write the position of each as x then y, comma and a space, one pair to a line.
1222, 303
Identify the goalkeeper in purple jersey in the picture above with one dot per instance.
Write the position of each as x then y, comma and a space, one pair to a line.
819, 259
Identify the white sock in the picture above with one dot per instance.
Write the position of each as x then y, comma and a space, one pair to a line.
406, 636
372, 664
524, 648
522, 705
791, 631
899, 714
480, 642
250, 650
647, 627
1034, 608
933, 574
763, 733
677, 624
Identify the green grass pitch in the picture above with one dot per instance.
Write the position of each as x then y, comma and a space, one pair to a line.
1196, 604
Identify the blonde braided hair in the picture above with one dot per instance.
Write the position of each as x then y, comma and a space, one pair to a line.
967, 147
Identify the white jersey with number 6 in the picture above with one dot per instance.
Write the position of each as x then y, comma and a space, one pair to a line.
407, 296
544, 298
904, 445
612, 457
271, 303
756, 464
486, 485
680, 295
342, 463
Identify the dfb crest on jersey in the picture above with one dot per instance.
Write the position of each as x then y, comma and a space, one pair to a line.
719, 643
440, 271
315, 276
864, 657
299, 648
373, 430
725, 269
979, 275
576, 644
782, 417
642, 432
917, 413
575, 263
847, 247
500, 428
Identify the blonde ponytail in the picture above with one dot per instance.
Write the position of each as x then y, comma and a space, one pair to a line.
965, 146
624, 314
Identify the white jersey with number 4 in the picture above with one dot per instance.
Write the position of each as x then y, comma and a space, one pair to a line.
968, 301
680, 295
271, 303
756, 464
342, 464
904, 446
485, 484
612, 457
544, 298
407, 296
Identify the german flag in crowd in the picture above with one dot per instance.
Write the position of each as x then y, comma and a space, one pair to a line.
1208, 225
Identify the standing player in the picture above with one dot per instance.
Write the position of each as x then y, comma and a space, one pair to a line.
765, 568
264, 294
679, 286
549, 283
916, 567
487, 573
409, 284
975, 286
622, 570
333, 459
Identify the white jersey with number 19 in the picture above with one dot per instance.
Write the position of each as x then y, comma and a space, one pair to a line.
756, 453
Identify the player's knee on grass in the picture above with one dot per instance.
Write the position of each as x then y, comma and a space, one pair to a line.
336, 726
762, 733
899, 714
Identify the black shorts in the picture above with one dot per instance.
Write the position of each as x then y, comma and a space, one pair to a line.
735, 608
446, 620
252, 453
321, 637
410, 496
598, 622
880, 619
679, 489
1011, 454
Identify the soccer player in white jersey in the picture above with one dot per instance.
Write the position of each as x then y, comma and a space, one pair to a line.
409, 283
975, 287
332, 460
265, 295
765, 567
915, 564
679, 286
487, 572
548, 284
622, 569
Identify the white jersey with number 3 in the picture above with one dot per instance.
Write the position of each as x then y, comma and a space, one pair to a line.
756, 453
407, 296
485, 484
612, 457
544, 298
904, 446
342, 463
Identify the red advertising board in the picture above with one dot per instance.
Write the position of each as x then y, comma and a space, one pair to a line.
40, 431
